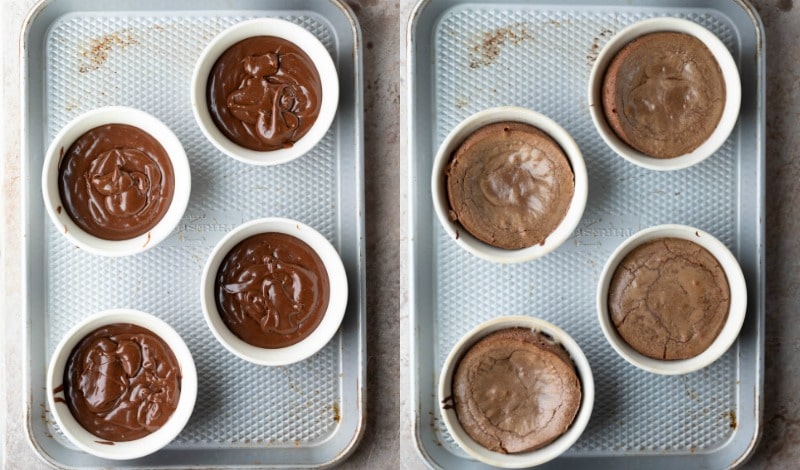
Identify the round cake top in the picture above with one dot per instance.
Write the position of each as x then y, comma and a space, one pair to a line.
116, 182
664, 94
669, 299
264, 93
272, 290
122, 382
516, 390
509, 185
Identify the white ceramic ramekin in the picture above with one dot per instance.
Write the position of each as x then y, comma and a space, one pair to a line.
736, 313
92, 444
441, 203
523, 459
78, 127
332, 319
733, 92
266, 27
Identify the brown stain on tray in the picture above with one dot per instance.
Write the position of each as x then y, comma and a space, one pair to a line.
95, 54
734, 423
487, 47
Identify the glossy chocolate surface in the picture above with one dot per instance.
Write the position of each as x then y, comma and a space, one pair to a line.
264, 93
272, 290
122, 382
116, 182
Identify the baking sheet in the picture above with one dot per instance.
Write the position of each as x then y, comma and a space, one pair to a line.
464, 57
83, 54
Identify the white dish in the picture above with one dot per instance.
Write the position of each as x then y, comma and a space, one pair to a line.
439, 187
302, 39
522, 459
332, 319
733, 92
726, 337
79, 126
87, 441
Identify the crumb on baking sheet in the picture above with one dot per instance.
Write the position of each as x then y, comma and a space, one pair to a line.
487, 47
95, 54
594, 49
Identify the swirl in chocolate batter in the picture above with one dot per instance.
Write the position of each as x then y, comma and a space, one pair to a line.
264, 93
272, 290
122, 382
116, 182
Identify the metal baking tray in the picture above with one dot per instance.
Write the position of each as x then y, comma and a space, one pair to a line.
83, 54
464, 57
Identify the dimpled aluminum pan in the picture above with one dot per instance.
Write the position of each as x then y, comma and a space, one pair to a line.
465, 57
82, 55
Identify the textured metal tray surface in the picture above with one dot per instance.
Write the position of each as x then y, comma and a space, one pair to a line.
81, 55
465, 57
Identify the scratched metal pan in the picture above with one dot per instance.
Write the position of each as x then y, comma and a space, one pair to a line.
84, 54
464, 57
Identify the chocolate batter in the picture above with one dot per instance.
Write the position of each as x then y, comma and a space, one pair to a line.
272, 290
122, 382
264, 93
669, 299
116, 182
663, 94
509, 185
516, 390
